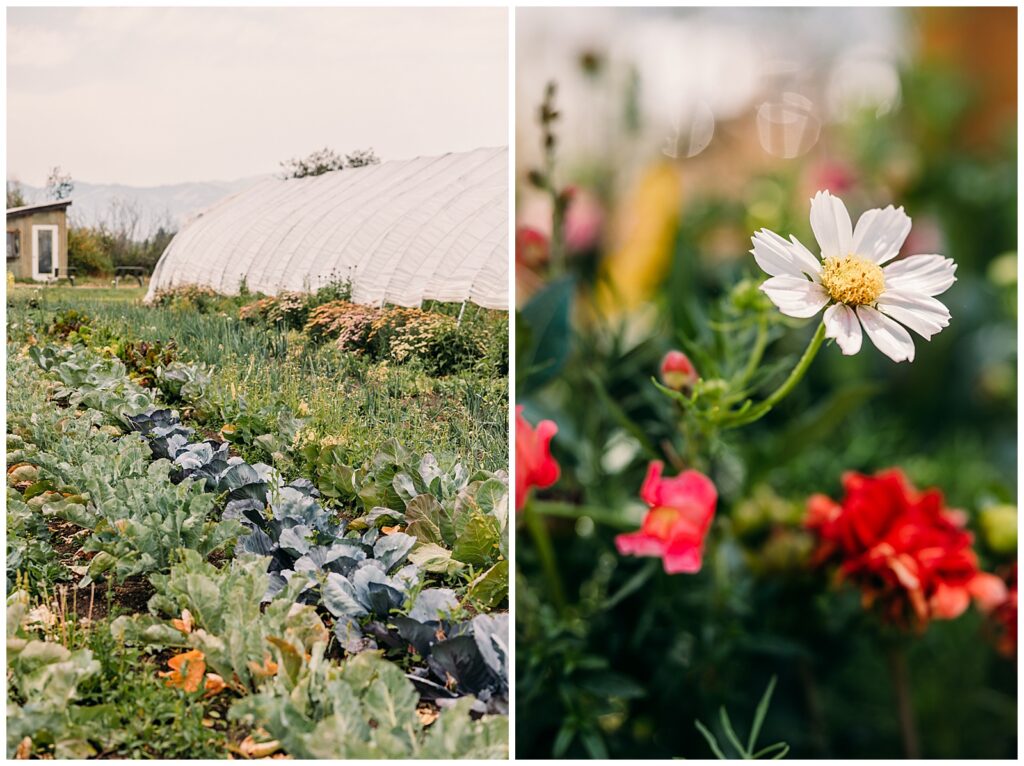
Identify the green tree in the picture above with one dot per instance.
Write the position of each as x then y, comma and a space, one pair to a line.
15, 195
88, 251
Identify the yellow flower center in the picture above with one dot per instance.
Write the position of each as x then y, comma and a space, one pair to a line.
852, 280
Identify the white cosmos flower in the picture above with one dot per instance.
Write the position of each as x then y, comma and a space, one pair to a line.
852, 280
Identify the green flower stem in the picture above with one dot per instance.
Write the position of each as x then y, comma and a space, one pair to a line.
570, 511
542, 540
557, 250
760, 342
758, 411
900, 676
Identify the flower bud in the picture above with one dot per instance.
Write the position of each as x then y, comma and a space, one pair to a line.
532, 247
999, 527
677, 371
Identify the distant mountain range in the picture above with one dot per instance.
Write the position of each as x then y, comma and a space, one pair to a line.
157, 206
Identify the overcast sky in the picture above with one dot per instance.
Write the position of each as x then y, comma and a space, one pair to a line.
147, 96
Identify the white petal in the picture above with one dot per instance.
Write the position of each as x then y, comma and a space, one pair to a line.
921, 313
781, 258
928, 274
881, 233
806, 256
831, 225
889, 338
841, 324
796, 296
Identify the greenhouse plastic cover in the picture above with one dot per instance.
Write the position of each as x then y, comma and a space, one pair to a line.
430, 228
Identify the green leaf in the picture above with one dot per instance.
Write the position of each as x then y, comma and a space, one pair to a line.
563, 740
712, 742
547, 316
491, 588
388, 698
594, 744
424, 514
492, 497
760, 714
478, 543
337, 480
730, 733
431, 557
455, 734
605, 684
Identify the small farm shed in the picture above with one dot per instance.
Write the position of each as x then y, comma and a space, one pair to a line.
401, 232
37, 240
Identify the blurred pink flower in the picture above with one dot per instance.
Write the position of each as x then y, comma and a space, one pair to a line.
835, 175
680, 515
584, 220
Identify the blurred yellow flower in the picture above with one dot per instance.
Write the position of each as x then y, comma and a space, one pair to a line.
646, 230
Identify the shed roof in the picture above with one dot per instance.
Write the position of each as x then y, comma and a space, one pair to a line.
15, 212
401, 232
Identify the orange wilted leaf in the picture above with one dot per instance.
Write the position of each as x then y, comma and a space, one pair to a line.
427, 714
214, 684
287, 648
268, 668
24, 751
250, 748
187, 670
185, 623
391, 530
291, 656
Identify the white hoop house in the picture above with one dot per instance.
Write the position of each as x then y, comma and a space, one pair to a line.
431, 228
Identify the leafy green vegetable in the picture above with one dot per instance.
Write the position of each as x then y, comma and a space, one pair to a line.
365, 708
43, 679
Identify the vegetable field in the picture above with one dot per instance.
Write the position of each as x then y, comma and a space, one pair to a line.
251, 527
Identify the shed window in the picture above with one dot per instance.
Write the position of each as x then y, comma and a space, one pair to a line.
13, 245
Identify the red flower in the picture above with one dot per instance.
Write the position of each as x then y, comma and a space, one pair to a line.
531, 247
681, 510
677, 371
534, 465
1003, 615
903, 547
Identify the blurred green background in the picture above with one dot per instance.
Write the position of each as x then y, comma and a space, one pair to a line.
679, 133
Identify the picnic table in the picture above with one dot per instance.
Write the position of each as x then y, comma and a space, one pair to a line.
137, 272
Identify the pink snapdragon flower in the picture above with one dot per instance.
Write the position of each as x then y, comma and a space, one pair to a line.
680, 515
535, 467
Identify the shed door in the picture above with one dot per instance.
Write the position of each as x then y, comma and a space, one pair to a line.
44, 252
